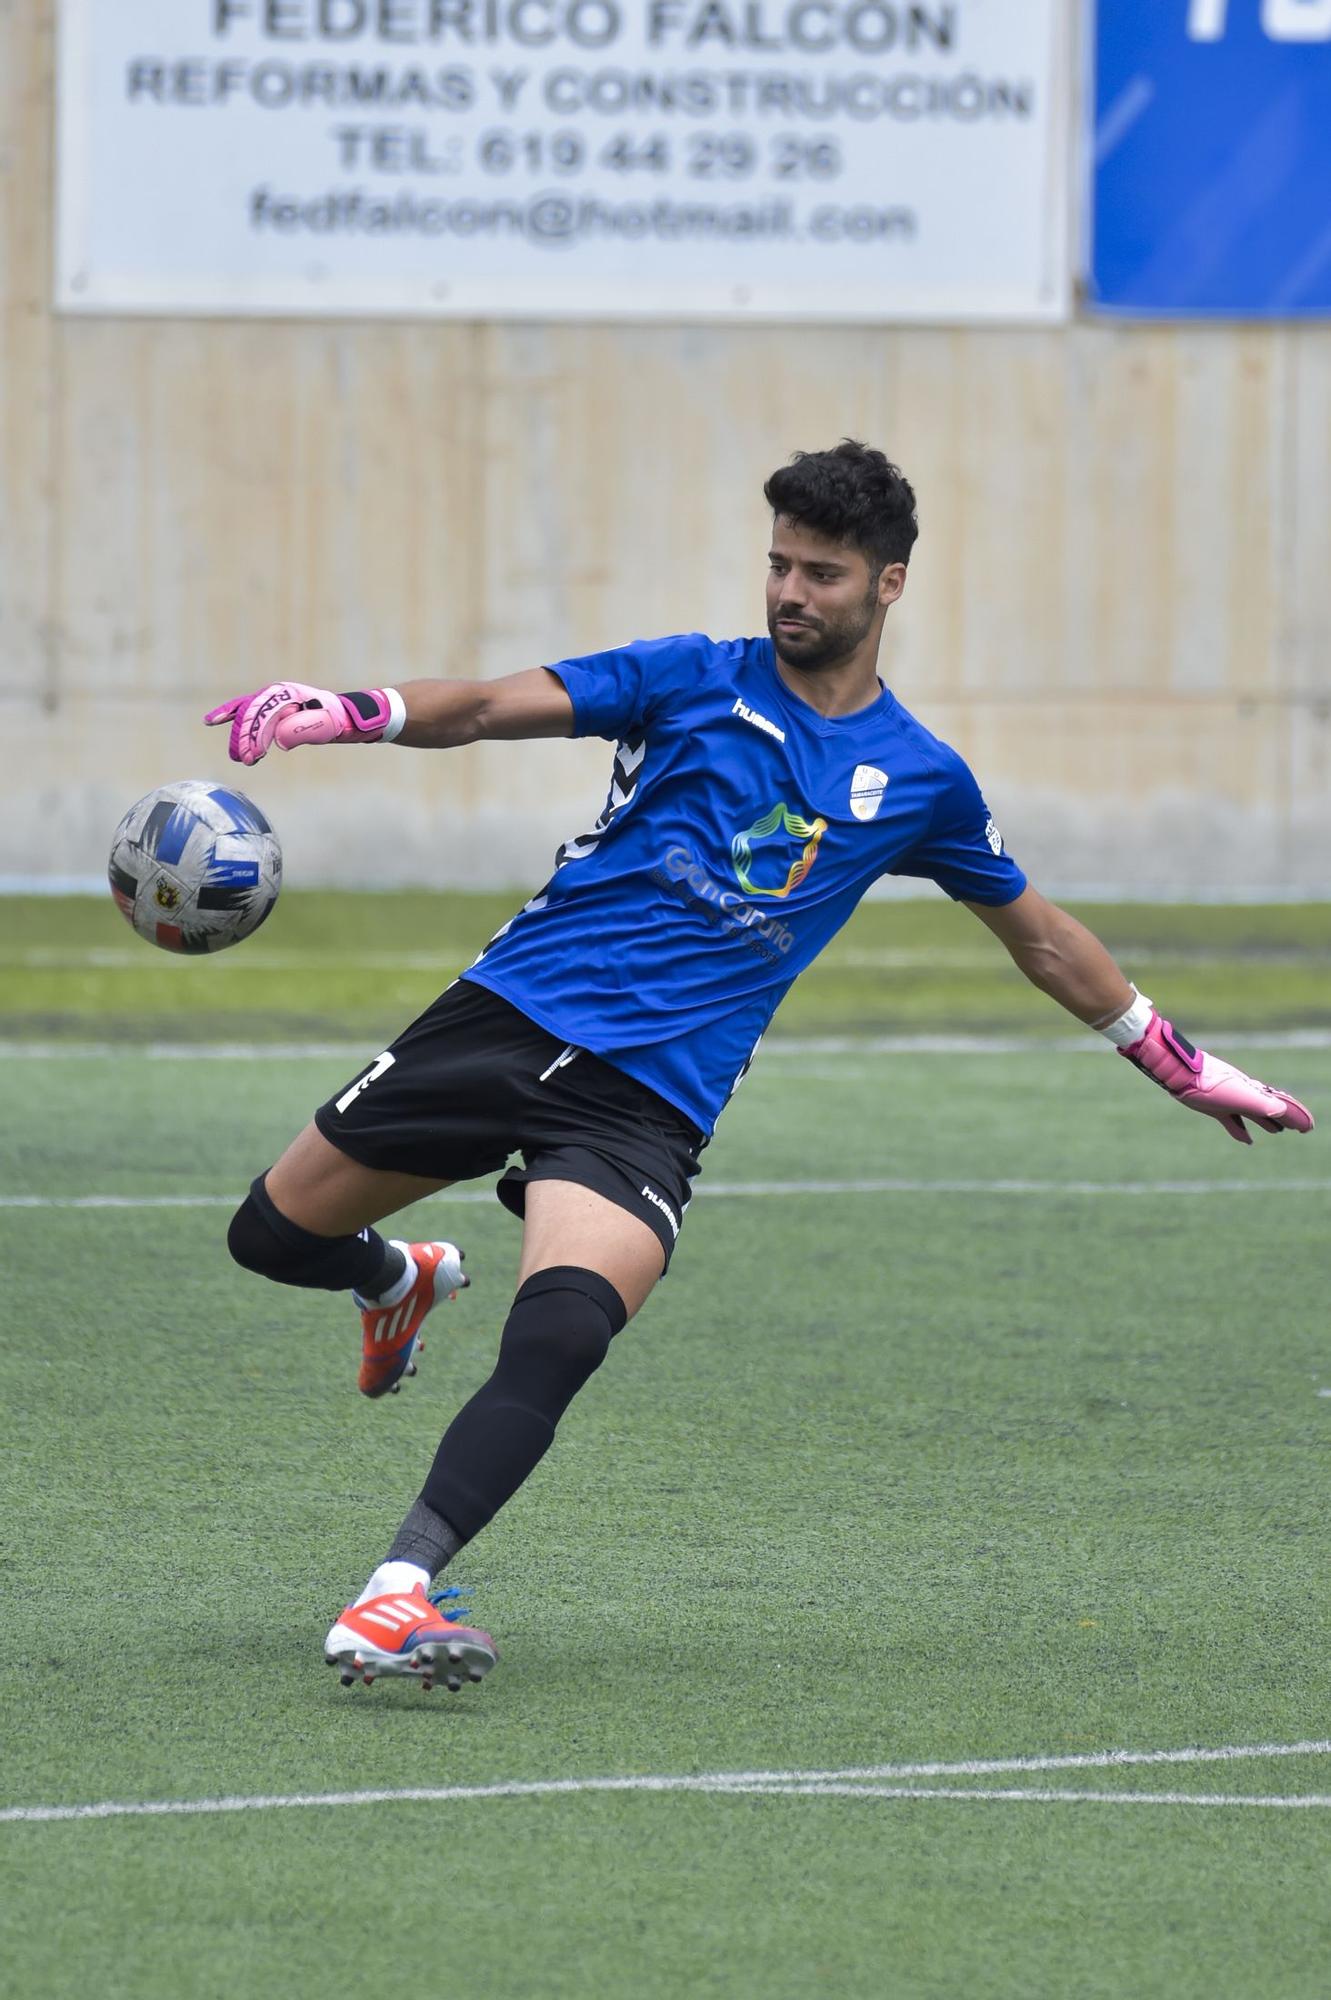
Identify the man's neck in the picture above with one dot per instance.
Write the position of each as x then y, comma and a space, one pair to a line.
837, 690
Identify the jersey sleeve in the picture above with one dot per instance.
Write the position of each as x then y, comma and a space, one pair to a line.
962, 849
632, 686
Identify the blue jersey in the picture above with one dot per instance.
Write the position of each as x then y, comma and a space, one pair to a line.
741, 830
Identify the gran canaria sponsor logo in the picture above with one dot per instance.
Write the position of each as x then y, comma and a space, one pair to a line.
693, 884
685, 877
743, 846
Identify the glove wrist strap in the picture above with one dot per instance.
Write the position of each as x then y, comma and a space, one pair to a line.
379, 714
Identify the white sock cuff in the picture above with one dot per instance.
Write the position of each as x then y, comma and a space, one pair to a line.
395, 1576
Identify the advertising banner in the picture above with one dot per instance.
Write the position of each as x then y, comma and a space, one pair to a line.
807, 159
1212, 157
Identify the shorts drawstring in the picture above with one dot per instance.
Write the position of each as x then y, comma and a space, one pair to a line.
569, 1053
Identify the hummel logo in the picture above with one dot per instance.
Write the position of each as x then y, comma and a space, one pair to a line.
657, 1201
747, 714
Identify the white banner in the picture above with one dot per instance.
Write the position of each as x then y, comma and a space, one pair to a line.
773, 159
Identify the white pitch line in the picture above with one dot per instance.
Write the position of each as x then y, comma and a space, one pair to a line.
117, 958
844, 958
20, 1051
746, 1191
1084, 1044
92, 1201
717, 1788
1017, 1794
850, 1783
1007, 1187
780, 1046
1071, 1760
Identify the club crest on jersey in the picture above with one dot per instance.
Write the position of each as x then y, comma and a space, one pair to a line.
993, 836
866, 791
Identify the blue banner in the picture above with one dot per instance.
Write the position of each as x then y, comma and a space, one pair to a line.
1211, 169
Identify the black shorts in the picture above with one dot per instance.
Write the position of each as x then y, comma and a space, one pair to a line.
473, 1081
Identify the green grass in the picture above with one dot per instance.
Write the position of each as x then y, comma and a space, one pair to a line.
359, 963
927, 1477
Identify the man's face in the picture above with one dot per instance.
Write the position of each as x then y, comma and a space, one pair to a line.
822, 601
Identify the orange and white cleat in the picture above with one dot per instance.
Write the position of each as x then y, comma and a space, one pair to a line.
410, 1634
391, 1334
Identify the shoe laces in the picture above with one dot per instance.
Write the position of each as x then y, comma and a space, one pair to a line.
439, 1598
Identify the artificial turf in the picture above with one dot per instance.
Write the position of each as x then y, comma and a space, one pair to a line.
923, 1476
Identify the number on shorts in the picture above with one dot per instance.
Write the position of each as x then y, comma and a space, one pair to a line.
386, 1061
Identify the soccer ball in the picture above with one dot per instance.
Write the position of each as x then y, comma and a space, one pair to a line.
195, 867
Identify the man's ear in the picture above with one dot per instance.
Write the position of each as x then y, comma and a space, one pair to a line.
891, 582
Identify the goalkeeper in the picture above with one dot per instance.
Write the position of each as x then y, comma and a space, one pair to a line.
760, 786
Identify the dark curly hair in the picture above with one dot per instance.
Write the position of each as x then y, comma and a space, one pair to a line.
852, 494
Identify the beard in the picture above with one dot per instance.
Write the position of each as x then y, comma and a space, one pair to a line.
821, 643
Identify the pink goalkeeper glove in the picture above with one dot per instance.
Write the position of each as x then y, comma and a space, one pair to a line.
288, 713
1204, 1083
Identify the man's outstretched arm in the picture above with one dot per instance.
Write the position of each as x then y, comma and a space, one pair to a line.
1060, 956
1068, 962
442, 714
428, 715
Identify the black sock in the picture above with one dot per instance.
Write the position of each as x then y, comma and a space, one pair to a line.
556, 1336
395, 1263
425, 1539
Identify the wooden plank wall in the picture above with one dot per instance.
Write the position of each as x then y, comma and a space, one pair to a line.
1120, 607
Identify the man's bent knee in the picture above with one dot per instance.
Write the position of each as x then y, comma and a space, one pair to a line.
264, 1240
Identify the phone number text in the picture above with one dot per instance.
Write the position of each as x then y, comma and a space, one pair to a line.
704, 156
